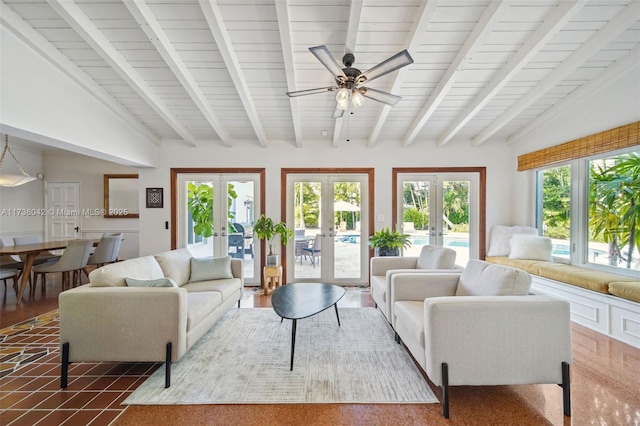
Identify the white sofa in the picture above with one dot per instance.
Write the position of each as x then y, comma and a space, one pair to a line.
482, 327
108, 320
384, 268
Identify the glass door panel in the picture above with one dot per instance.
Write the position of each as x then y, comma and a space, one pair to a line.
455, 217
328, 242
216, 215
415, 208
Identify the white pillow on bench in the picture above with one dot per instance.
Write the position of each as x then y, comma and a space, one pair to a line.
532, 247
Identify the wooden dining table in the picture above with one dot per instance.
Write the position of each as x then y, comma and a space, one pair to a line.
31, 251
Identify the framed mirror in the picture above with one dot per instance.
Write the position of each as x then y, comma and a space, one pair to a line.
121, 196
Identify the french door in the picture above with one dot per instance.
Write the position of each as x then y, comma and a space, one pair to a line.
440, 209
216, 209
329, 213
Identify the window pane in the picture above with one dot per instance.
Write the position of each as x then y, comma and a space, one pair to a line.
555, 210
614, 215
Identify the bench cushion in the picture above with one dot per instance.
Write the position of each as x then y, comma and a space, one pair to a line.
626, 289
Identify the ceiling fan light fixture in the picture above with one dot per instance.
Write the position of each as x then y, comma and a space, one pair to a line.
357, 98
342, 95
343, 104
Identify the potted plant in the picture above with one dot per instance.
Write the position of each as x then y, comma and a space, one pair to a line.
389, 243
266, 229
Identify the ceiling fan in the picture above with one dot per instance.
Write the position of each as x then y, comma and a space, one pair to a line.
350, 81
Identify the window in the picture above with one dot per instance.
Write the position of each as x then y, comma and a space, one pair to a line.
554, 209
590, 208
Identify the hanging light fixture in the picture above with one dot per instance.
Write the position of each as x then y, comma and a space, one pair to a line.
356, 98
11, 179
342, 97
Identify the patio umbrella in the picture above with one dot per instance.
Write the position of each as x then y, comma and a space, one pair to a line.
344, 206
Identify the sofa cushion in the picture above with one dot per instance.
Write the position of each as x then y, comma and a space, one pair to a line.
410, 314
436, 257
113, 275
481, 278
210, 268
534, 247
200, 305
500, 235
160, 282
176, 264
627, 290
227, 287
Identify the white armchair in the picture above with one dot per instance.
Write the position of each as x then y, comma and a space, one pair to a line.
483, 328
383, 269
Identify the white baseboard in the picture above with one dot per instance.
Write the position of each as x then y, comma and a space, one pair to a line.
610, 315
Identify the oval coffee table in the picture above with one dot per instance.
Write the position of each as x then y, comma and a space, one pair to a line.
302, 300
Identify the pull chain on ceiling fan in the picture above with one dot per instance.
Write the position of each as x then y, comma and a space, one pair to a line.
350, 81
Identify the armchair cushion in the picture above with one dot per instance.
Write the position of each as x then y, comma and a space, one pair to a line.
210, 268
481, 278
176, 264
435, 257
113, 275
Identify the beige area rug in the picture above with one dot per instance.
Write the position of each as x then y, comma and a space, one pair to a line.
244, 359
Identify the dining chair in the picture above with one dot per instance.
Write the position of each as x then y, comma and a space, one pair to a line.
5, 274
236, 245
74, 259
43, 257
314, 250
105, 252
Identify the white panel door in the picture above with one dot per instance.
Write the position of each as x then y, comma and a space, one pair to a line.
63, 210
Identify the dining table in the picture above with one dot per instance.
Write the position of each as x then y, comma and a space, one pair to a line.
31, 251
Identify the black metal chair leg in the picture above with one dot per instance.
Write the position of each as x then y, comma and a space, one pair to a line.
445, 390
167, 367
566, 389
64, 366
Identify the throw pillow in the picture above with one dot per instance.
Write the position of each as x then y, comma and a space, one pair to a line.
500, 235
436, 257
160, 282
531, 247
210, 268
481, 278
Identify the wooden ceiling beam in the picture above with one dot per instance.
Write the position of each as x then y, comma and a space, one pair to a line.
148, 23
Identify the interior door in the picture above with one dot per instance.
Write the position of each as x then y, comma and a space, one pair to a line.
216, 213
330, 227
439, 209
63, 210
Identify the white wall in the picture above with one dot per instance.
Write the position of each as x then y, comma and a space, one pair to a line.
89, 173
498, 160
13, 221
39, 102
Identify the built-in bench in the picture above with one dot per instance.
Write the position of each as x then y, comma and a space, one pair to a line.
606, 302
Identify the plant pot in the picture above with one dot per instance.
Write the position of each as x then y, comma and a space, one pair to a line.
272, 260
385, 251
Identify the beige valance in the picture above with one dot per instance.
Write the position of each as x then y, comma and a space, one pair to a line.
607, 141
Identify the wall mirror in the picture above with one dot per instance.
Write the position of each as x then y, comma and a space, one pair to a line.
121, 196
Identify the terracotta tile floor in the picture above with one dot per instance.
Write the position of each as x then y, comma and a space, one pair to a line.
605, 385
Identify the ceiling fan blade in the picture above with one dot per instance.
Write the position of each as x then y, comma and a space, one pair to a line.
327, 59
380, 96
311, 91
399, 60
337, 113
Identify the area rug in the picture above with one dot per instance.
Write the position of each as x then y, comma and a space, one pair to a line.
244, 359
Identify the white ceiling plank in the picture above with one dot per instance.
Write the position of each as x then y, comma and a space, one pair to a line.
417, 33
355, 12
34, 39
531, 47
218, 29
626, 18
481, 29
90, 34
284, 27
142, 13
629, 62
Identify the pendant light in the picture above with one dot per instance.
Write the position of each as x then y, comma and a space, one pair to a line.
12, 179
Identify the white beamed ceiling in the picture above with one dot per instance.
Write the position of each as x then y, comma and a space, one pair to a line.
207, 72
